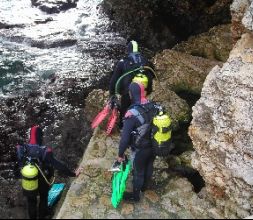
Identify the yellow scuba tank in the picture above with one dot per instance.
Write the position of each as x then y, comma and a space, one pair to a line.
142, 79
161, 132
155, 129
30, 179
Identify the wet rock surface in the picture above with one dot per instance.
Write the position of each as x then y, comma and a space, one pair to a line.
65, 130
83, 56
54, 6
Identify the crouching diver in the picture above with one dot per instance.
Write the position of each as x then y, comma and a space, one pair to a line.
37, 164
142, 152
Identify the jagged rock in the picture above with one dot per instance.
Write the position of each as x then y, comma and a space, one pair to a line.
221, 131
248, 18
166, 21
215, 44
54, 6
53, 44
179, 198
238, 9
8, 26
186, 158
95, 102
178, 72
182, 72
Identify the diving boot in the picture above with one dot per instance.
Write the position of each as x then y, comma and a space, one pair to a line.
146, 186
132, 196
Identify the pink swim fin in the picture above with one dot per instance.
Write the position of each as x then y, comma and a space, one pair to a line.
100, 117
112, 121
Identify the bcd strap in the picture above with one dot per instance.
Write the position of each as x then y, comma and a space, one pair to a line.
37, 155
137, 114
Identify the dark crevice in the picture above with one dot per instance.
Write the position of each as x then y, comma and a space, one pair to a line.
180, 136
189, 97
191, 174
181, 139
183, 143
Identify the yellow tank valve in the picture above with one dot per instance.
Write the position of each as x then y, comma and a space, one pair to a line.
142, 79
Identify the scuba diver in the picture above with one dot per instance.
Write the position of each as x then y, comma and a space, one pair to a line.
37, 164
135, 65
142, 153
147, 129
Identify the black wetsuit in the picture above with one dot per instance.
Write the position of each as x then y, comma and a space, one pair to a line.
44, 158
144, 156
132, 62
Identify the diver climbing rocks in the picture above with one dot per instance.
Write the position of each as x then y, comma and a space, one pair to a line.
37, 164
135, 65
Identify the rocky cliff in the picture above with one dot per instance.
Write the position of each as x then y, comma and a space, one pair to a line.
166, 22
222, 124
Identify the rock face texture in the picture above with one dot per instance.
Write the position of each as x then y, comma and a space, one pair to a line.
89, 196
248, 19
165, 22
222, 129
238, 10
54, 6
180, 71
216, 44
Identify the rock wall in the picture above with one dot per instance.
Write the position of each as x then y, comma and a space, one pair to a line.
222, 125
238, 9
181, 71
215, 44
166, 22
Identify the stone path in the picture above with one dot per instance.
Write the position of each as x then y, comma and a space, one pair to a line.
89, 195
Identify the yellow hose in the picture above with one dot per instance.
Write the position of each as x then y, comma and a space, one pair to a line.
50, 184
